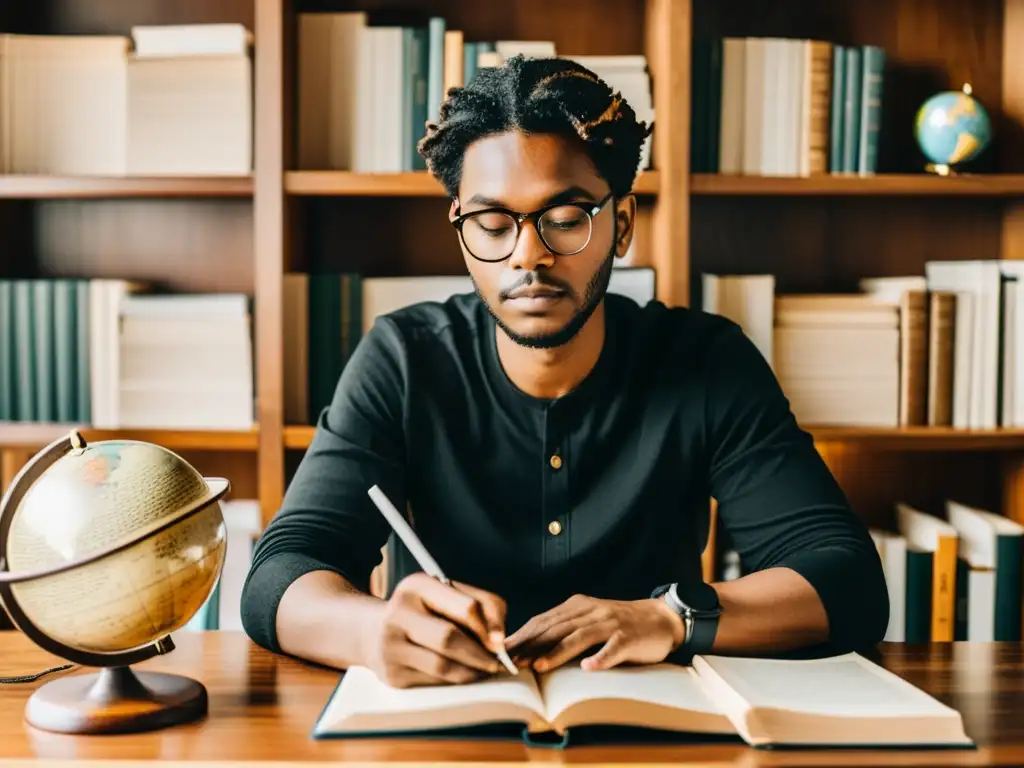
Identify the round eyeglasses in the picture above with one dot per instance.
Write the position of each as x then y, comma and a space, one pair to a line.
491, 234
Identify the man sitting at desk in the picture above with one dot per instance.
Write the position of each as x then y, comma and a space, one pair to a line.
557, 445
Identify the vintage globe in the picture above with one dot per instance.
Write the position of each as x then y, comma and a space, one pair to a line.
952, 128
120, 542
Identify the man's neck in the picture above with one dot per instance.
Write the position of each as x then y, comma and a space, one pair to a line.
552, 373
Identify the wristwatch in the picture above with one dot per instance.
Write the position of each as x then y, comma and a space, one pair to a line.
699, 607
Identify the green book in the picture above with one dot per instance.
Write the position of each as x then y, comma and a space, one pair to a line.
851, 110
7, 347
83, 347
837, 112
919, 595
65, 356
45, 361
324, 360
869, 129
436, 28
24, 353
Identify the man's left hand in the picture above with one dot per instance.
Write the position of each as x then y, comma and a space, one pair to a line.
637, 631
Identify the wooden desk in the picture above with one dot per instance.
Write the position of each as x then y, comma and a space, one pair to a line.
262, 709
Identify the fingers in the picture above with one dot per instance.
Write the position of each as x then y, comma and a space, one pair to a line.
610, 654
531, 631
453, 604
574, 644
446, 640
492, 609
435, 669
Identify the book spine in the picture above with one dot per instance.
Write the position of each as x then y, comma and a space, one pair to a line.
436, 28
324, 350
820, 95
7, 347
944, 589
961, 613
65, 316
714, 105
919, 596
1008, 588
851, 110
698, 106
469, 54
838, 106
941, 324
421, 72
83, 345
872, 79
42, 339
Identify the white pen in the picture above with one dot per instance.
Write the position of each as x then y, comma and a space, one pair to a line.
415, 546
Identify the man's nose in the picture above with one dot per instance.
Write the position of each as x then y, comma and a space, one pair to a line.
530, 251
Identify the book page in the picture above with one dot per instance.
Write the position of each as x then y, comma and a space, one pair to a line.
842, 686
364, 702
673, 689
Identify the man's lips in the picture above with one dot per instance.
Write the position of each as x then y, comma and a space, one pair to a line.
536, 292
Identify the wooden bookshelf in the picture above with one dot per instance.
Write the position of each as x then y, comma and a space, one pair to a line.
36, 436
106, 187
882, 185
816, 234
409, 184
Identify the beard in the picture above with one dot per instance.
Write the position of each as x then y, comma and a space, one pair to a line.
594, 293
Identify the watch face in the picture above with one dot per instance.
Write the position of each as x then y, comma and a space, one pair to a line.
700, 597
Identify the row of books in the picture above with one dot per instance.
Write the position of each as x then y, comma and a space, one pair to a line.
369, 83
326, 315
169, 100
112, 354
772, 106
950, 577
944, 348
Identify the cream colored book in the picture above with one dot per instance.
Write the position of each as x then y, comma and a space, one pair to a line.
840, 701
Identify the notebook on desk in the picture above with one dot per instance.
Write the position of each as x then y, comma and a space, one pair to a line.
842, 702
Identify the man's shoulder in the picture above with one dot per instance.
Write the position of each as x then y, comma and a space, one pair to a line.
674, 329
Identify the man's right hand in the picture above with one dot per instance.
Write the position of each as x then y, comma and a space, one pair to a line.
433, 634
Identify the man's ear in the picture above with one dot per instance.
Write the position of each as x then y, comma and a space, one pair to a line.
453, 209
625, 224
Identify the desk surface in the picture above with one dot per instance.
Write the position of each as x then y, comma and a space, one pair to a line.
262, 708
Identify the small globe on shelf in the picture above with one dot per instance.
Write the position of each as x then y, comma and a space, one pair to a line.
105, 550
952, 128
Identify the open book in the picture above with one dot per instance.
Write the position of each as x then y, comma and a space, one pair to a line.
841, 701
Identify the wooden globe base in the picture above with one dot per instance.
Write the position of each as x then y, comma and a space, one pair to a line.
116, 700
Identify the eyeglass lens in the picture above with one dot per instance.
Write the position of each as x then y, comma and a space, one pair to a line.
492, 236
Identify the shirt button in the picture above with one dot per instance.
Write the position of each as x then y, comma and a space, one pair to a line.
554, 527
556, 461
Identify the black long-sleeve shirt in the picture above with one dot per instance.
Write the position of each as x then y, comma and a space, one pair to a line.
604, 491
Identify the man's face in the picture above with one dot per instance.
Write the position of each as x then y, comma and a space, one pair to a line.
539, 298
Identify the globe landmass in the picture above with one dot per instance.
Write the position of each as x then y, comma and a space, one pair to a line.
98, 497
952, 128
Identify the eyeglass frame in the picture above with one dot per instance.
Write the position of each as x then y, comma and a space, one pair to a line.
590, 209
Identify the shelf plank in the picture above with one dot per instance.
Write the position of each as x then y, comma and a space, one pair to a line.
407, 184
30, 436
922, 438
16, 186
990, 185
298, 437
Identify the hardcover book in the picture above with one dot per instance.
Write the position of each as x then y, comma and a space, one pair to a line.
842, 701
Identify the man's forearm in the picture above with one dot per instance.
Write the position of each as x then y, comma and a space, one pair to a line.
324, 619
771, 610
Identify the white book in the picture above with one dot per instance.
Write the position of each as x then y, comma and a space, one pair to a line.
747, 300
836, 701
892, 550
191, 39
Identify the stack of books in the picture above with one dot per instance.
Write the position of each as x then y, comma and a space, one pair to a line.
186, 362
772, 106
168, 100
368, 85
954, 577
110, 354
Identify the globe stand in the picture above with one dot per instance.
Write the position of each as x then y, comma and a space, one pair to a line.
116, 700
940, 169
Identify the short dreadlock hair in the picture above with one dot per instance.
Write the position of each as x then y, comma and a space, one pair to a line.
537, 95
